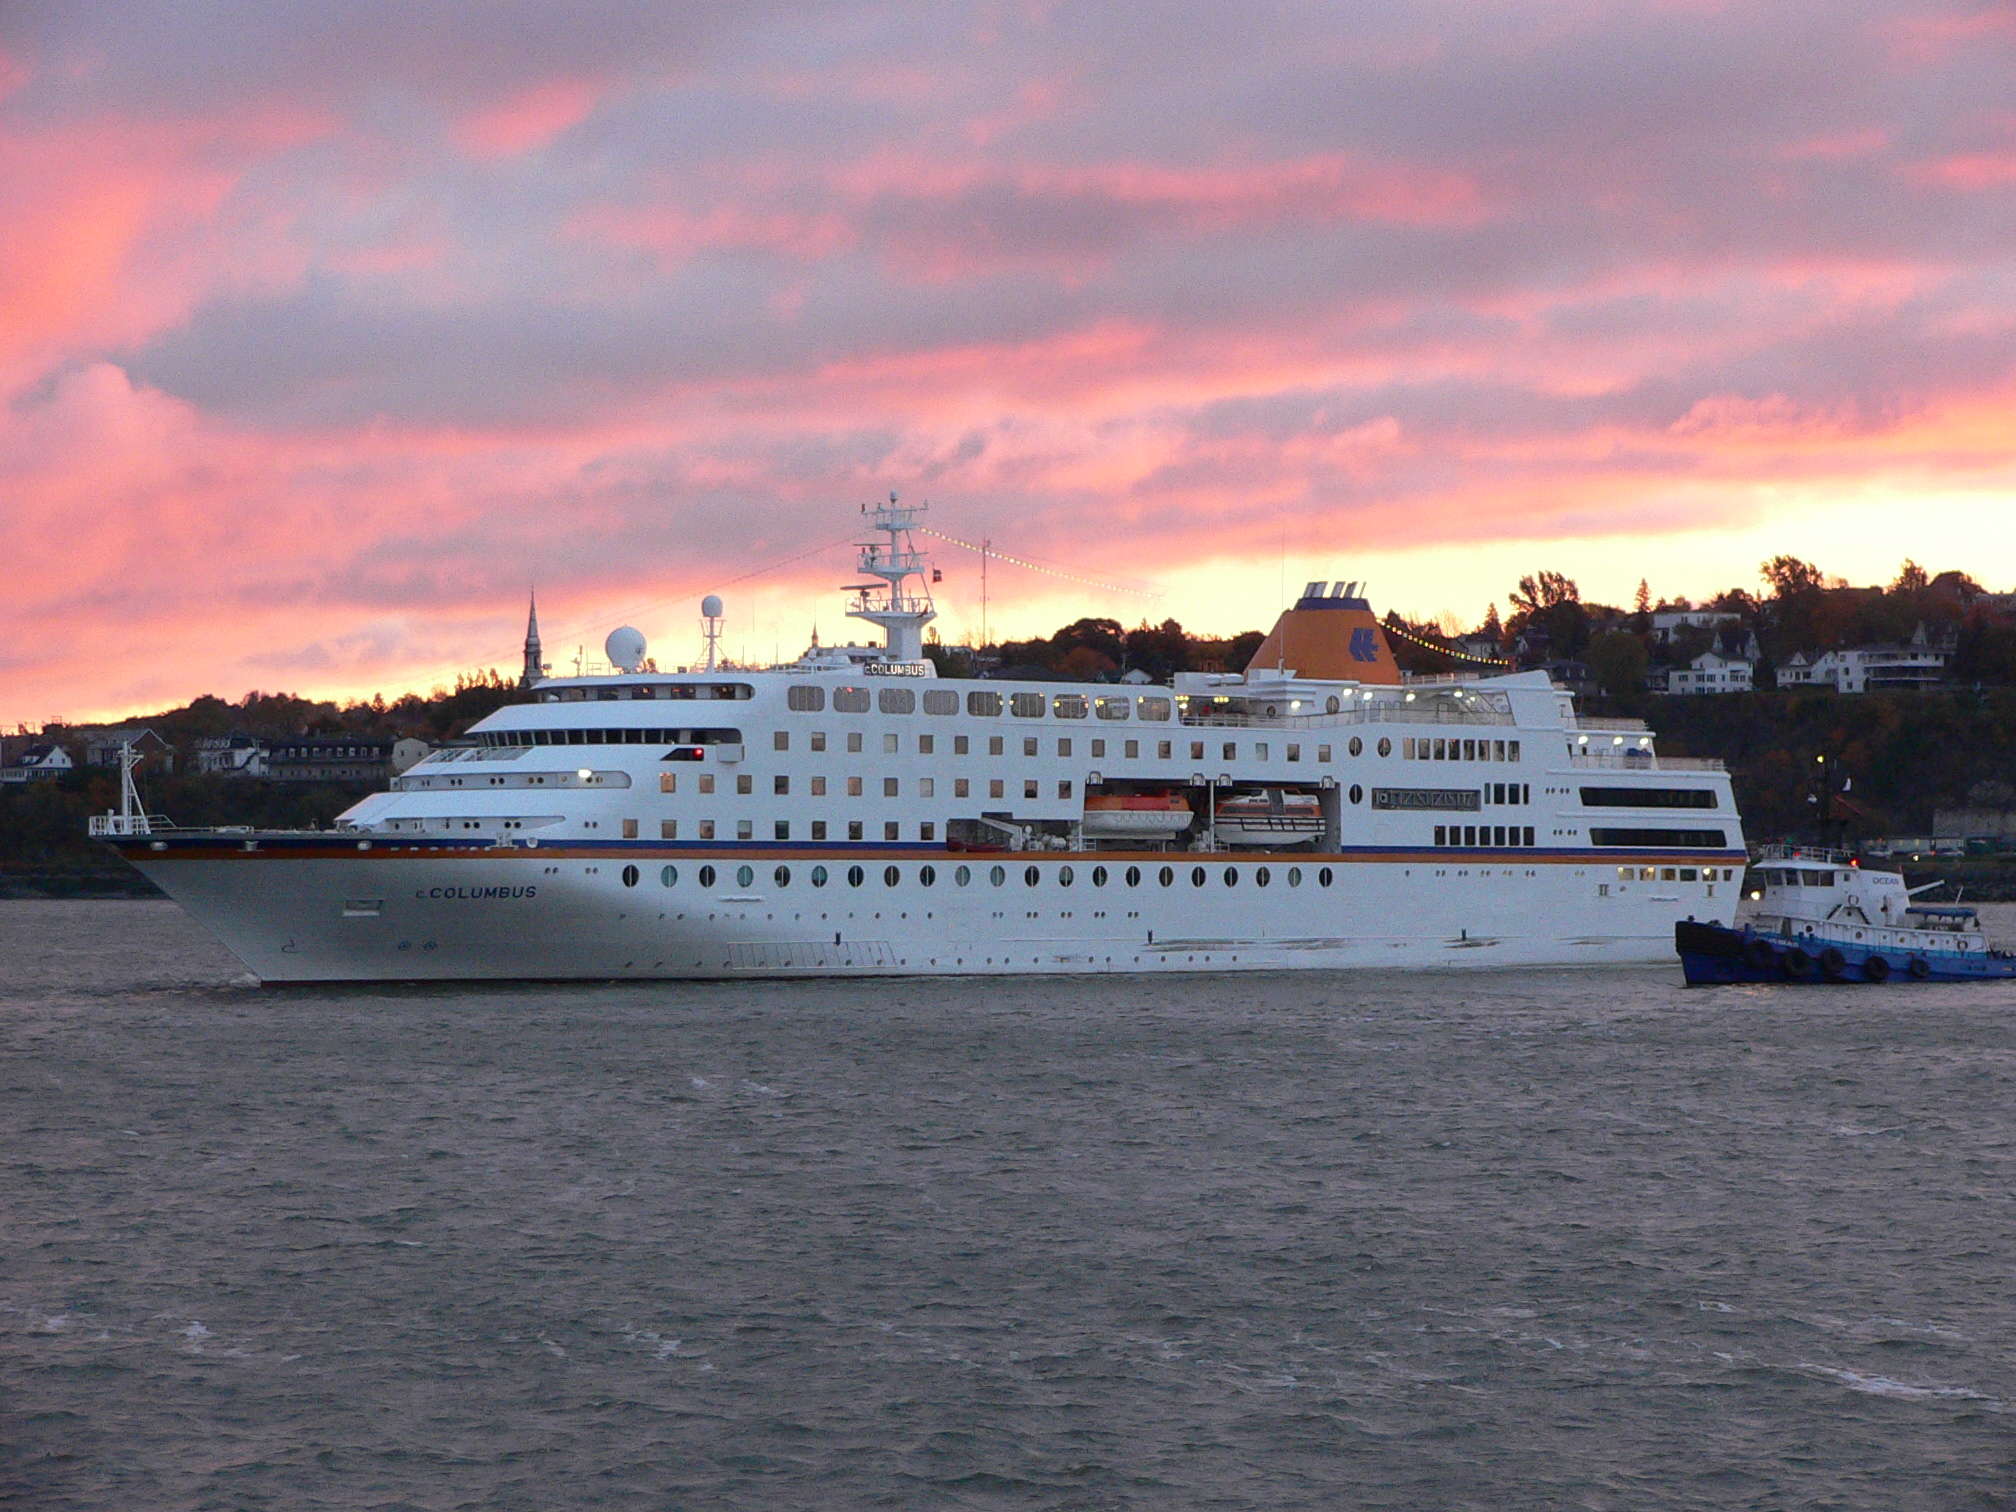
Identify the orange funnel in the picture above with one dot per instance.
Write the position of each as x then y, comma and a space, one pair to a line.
1331, 634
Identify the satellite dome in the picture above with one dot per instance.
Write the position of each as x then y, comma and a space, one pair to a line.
625, 648
710, 606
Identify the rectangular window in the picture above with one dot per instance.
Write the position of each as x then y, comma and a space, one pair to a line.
744, 783
1164, 750
1231, 750
853, 829
854, 741
668, 829
994, 746
927, 787
941, 701
960, 745
1026, 705
926, 745
1529, 834
1512, 750
1196, 750
927, 830
984, 705
781, 830
818, 740
706, 782
780, 785
1029, 746
1469, 834
780, 740
889, 744
1063, 748
1497, 834
1323, 754
853, 787
805, 700
1260, 751
896, 701
668, 782
1441, 834
745, 829
1407, 748
1153, 709
961, 788
1294, 753
1029, 787
629, 829
818, 787
1132, 750
995, 788
818, 829
850, 700
1098, 750
892, 830
706, 829
1064, 788
1069, 705
891, 786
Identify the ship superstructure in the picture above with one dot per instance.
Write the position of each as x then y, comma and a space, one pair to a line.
853, 812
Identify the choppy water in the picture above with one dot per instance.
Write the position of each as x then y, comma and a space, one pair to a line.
1567, 1239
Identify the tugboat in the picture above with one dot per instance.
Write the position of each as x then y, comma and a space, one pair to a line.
1816, 915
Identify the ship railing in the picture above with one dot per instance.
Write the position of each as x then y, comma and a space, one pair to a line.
1382, 713
1786, 850
1647, 761
1636, 726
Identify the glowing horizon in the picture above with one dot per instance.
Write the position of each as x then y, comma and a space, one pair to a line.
326, 332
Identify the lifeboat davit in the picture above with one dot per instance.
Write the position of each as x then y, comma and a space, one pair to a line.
1267, 816
1136, 814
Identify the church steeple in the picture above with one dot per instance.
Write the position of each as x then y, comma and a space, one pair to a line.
534, 667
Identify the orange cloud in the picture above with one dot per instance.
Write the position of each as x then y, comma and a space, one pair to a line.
529, 119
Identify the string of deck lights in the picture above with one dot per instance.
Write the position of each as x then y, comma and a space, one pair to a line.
1428, 645
1059, 572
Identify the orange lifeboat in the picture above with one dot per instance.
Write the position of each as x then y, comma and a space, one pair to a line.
1144, 815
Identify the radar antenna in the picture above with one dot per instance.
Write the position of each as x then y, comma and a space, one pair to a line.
710, 628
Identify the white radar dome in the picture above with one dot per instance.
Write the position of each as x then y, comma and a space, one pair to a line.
710, 606
625, 648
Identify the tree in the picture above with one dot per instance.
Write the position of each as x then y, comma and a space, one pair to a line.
1544, 591
1788, 577
1617, 659
1911, 579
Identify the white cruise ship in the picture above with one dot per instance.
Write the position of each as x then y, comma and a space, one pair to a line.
854, 814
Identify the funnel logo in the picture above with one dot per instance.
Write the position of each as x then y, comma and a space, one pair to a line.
1364, 644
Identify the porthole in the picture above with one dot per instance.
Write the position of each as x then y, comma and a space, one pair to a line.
997, 875
1323, 877
891, 876
1231, 876
745, 876
1064, 876
706, 876
1196, 876
1029, 876
1357, 746
782, 876
854, 876
630, 876
962, 875
1098, 876
1357, 793
818, 876
1133, 876
1385, 746
668, 876
1167, 876
926, 875
1261, 877
1294, 876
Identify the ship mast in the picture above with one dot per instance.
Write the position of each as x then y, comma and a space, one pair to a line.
899, 608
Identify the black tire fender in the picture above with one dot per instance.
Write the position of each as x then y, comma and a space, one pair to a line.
1920, 968
1760, 955
1877, 968
1797, 963
1833, 963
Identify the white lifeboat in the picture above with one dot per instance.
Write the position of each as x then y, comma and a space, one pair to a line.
1135, 814
1267, 816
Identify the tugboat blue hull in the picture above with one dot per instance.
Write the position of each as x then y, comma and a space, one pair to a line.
1715, 955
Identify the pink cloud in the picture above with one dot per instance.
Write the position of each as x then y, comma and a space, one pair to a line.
529, 119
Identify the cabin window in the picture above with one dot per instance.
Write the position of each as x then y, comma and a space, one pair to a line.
1064, 788
896, 700
891, 786
818, 829
1068, 705
960, 745
850, 700
1098, 748
995, 788
744, 783
1659, 839
853, 829
745, 829
854, 741
926, 744
962, 787
818, 740
1196, 750
941, 701
706, 782
706, 829
927, 787
1385, 745
805, 699
1029, 787
1294, 752
668, 829
1029, 746
668, 782
994, 745
818, 787
927, 830
780, 740
1026, 705
890, 744
853, 787
1115, 708
984, 705
668, 876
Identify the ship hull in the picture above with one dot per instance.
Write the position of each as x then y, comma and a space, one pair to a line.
328, 910
1714, 955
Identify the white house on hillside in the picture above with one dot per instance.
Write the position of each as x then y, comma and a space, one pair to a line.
1712, 672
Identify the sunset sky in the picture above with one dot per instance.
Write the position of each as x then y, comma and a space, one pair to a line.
326, 329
